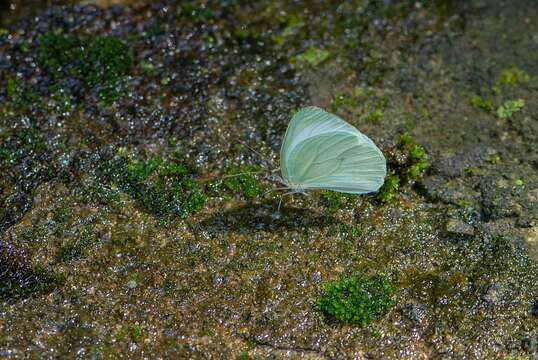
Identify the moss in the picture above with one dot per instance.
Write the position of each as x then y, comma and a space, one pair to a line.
25, 281
105, 194
356, 300
335, 200
409, 171
494, 159
18, 95
62, 99
197, 12
342, 100
417, 164
481, 103
19, 144
294, 23
390, 187
100, 63
242, 181
312, 57
509, 108
375, 116
512, 77
162, 187
76, 247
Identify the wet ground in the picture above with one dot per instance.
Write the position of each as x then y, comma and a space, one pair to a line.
120, 237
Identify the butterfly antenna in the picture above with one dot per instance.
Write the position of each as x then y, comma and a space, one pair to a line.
243, 173
251, 149
277, 189
280, 202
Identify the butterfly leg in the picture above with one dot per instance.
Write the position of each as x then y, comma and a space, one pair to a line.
282, 197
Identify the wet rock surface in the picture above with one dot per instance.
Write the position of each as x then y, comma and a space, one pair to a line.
119, 236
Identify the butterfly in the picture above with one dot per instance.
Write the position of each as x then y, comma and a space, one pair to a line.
322, 151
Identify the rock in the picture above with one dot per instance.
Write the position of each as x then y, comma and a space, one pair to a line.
534, 309
529, 344
497, 200
414, 312
458, 227
493, 295
456, 165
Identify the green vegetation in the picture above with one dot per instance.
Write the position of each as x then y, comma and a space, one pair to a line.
160, 186
19, 144
78, 246
494, 159
390, 187
197, 12
312, 57
356, 300
163, 187
335, 200
18, 95
100, 63
294, 23
416, 163
241, 180
511, 77
481, 103
375, 116
509, 108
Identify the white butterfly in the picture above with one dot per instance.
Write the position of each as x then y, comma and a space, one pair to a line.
322, 151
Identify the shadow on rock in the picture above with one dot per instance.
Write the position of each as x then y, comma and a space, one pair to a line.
266, 217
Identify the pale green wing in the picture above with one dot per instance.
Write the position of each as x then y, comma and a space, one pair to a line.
307, 122
322, 151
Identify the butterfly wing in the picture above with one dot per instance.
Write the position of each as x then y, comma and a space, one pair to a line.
322, 151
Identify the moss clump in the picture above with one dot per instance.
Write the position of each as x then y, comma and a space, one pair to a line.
18, 95
481, 103
390, 187
512, 77
197, 12
408, 163
164, 187
241, 180
417, 163
375, 116
356, 300
73, 248
334, 200
509, 108
20, 144
312, 57
100, 63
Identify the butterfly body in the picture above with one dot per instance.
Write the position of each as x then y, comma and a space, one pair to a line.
322, 151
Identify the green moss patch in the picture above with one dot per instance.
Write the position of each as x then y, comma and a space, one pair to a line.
20, 144
356, 300
100, 63
242, 181
509, 108
407, 164
163, 187
312, 57
511, 77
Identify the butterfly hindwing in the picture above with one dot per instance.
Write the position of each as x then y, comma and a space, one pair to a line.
322, 151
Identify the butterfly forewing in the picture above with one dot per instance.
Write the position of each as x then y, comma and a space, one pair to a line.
322, 151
